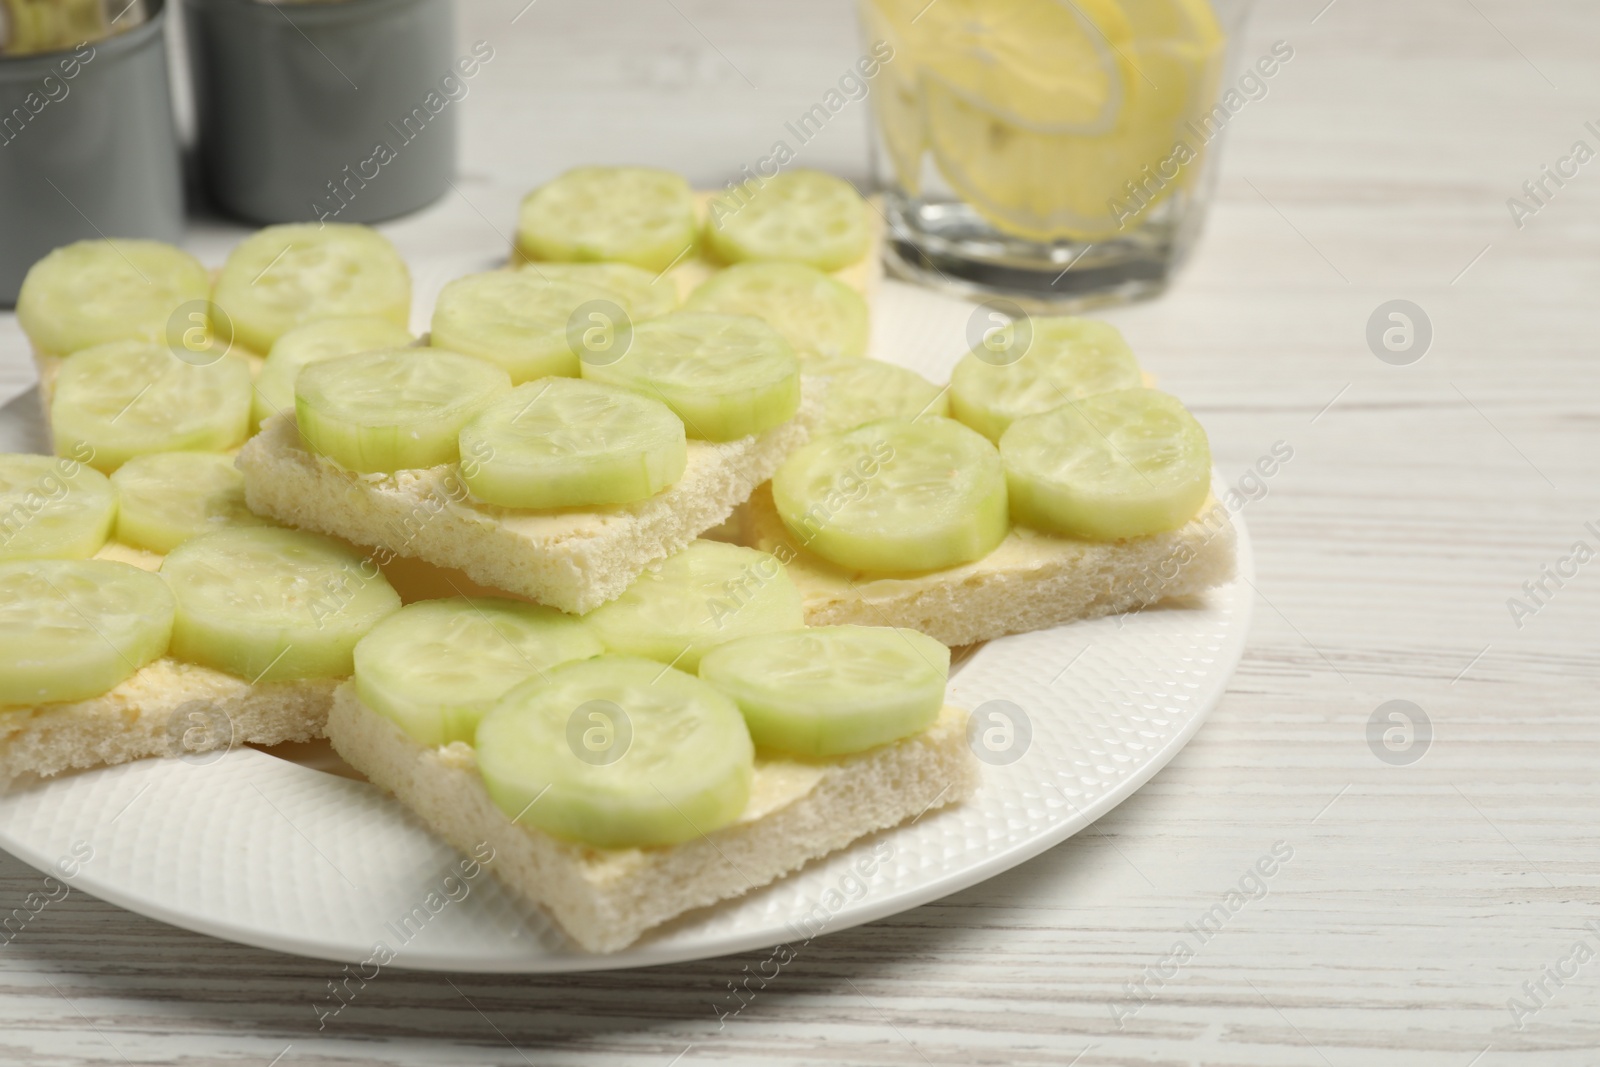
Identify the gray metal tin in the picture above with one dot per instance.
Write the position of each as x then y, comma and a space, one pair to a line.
320, 111
88, 147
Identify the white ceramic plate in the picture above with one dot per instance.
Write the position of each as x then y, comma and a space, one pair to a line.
257, 849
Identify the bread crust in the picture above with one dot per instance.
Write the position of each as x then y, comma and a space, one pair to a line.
166, 708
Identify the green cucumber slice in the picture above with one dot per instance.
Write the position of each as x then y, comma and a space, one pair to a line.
895, 496
617, 752
270, 605
565, 442
73, 629
1037, 364
522, 322
645, 295
52, 508
803, 216
283, 276
311, 343
167, 498
832, 690
1114, 465
697, 599
394, 409
94, 292
725, 376
817, 314
130, 398
867, 390
435, 667
631, 215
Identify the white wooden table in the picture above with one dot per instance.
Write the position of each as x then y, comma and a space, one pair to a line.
1419, 898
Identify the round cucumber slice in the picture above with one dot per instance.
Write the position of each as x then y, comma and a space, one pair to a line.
645, 295
52, 508
867, 390
94, 292
895, 496
520, 321
311, 343
1115, 465
803, 215
129, 398
283, 276
167, 498
725, 376
269, 605
817, 314
565, 442
1035, 365
435, 667
703, 596
832, 690
73, 629
627, 214
394, 409
617, 752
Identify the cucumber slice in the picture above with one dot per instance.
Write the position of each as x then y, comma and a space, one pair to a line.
627, 214
725, 376
817, 314
520, 321
867, 390
435, 667
129, 398
895, 496
94, 292
1116, 465
703, 596
270, 605
803, 216
311, 343
1039, 364
645, 295
832, 690
73, 629
394, 409
283, 276
565, 442
167, 498
617, 752
53, 508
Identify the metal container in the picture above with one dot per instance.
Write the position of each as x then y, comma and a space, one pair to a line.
327, 110
88, 145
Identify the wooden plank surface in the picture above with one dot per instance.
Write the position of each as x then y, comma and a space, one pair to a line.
1418, 898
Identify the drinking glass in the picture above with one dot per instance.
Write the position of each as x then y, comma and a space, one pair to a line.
1059, 153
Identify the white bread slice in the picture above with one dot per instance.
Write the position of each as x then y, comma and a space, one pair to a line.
573, 559
166, 708
606, 898
1032, 581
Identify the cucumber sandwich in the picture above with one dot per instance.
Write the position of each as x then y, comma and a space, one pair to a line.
199, 627
1060, 490
681, 745
562, 488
